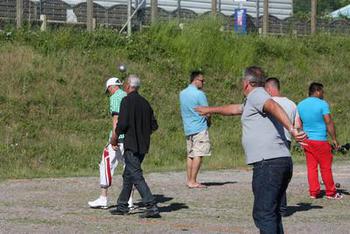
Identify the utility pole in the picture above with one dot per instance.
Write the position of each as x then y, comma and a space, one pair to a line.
89, 15
154, 11
266, 18
19, 13
214, 4
313, 16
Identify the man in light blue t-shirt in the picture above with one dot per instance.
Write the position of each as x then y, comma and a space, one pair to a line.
195, 127
317, 121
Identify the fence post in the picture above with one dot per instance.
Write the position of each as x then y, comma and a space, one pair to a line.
19, 13
129, 17
154, 11
178, 10
214, 4
313, 16
43, 26
266, 17
89, 15
94, 24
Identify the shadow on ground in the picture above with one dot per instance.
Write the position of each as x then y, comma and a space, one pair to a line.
218, 183
300, 207
160, 198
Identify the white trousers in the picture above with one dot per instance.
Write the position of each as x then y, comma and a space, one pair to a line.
109, 162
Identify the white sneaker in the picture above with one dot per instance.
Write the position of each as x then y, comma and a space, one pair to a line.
99, 203
336, 196
131, 207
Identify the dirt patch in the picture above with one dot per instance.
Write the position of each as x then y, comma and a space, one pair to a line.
60, 205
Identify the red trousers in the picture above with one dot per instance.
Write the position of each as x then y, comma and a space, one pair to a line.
319, 153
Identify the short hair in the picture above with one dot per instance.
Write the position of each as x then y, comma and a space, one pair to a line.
314, 87
195, 74
134, 81
255, 75
273, 81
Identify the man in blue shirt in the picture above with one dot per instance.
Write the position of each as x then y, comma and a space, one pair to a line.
195, 127
316, 119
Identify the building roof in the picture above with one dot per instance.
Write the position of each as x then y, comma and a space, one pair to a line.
344, 11
278, 8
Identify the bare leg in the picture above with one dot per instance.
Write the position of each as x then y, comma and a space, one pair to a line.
189, 169
193, 166
196, 164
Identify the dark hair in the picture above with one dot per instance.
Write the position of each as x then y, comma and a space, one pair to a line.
255, 75
195, 74
314, 86
274, 82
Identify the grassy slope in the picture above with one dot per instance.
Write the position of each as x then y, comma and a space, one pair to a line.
53, 114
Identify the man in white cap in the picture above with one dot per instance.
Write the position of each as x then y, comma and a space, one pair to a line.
111, 156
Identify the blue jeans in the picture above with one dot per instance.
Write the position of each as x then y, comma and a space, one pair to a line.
270, 181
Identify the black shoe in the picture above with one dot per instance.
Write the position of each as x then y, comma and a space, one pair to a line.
151, 212
118, 211
284, 214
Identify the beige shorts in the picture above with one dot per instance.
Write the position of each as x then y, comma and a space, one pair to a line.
198, 144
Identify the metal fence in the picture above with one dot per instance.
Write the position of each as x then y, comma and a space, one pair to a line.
57, 11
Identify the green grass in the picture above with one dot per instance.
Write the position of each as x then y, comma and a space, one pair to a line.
54, 116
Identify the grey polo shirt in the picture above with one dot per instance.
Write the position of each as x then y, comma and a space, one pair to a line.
261, 138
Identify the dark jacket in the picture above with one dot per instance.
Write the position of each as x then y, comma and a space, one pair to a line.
136, 120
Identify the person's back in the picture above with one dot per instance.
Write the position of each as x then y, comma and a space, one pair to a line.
291, 110
316, 119
141, 123
137, 122
311, 111
190, 98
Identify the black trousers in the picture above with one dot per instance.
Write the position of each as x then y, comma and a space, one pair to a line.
133, 175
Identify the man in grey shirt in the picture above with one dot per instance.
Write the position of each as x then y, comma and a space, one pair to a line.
265, 147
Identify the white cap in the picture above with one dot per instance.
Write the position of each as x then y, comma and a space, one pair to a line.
112, 81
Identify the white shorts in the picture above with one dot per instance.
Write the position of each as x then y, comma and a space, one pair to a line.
109, 162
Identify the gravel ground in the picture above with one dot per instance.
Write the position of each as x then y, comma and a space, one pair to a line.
60, 205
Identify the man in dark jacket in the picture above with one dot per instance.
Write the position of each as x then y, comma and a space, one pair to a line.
137, 122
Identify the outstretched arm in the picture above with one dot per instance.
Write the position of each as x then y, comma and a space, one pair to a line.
227, 110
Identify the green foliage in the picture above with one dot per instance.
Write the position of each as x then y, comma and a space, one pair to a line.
54, 116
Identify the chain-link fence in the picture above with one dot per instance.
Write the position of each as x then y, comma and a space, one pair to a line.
115, 15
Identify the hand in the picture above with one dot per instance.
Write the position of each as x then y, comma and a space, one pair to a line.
335, 144
115, 147
299, 136
202, 110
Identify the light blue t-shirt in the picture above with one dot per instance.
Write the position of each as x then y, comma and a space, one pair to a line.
311, 111
190, 98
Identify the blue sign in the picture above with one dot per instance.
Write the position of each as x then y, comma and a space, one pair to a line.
241, 21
